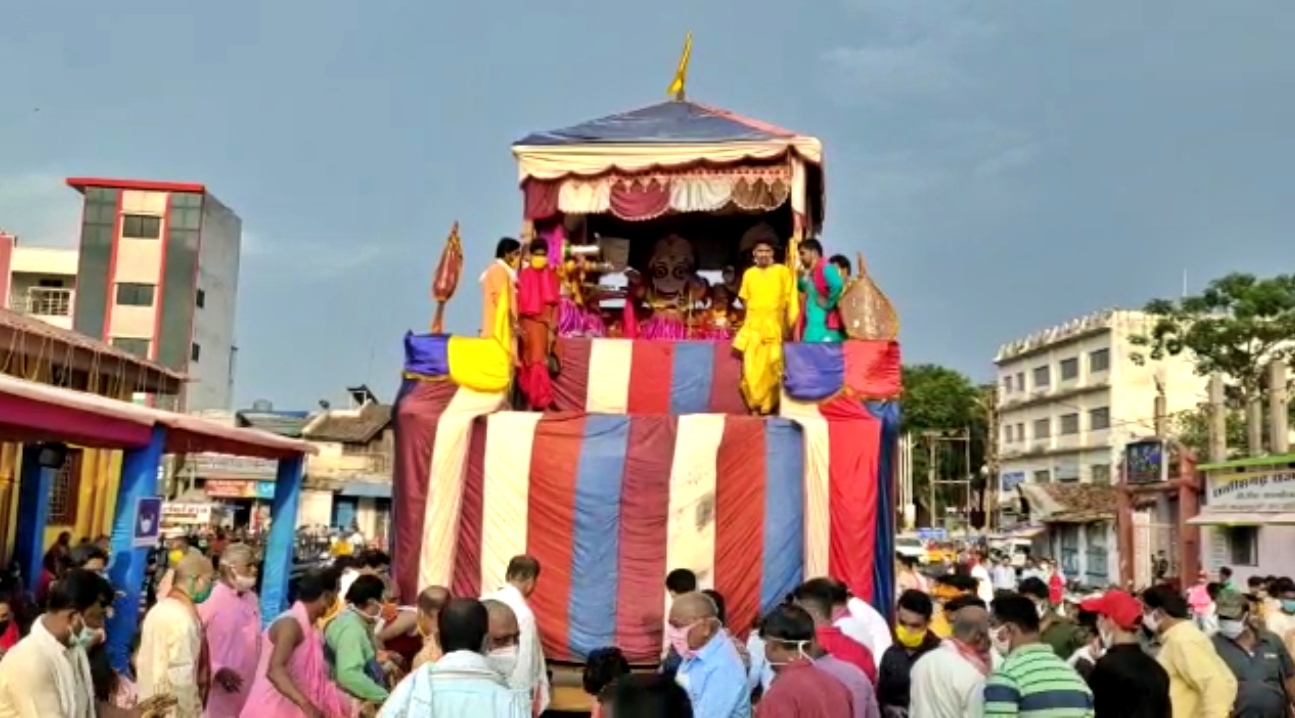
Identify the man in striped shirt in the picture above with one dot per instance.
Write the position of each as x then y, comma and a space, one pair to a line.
1032, 681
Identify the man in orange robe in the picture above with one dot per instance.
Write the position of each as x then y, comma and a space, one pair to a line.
498, 284
538, 293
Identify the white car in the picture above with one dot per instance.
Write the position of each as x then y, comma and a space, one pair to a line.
911, 548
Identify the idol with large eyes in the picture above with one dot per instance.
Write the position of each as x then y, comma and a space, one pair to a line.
672, 266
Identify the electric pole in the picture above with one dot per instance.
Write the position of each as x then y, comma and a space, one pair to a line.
933, 441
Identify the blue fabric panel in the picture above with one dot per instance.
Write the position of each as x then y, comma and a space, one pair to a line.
427, 354
667, 122
783, 562
883, 571
691, 376
596, 541
813, 371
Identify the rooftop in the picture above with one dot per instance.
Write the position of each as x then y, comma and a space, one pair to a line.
80, 184
349, 426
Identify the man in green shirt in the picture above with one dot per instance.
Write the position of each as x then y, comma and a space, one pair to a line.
1065, 637
349, 640
1031, 682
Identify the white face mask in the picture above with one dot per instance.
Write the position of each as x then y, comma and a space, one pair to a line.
1002, 643
503, 660
1041, 608
1231, 628
1105, 638
800, 652
681, 679
1150, 621
244, 583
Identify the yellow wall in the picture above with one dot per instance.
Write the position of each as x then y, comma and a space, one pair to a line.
97, 499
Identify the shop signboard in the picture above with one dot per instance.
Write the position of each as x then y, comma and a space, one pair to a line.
148, 522
236, 489
1261, 490
176, 513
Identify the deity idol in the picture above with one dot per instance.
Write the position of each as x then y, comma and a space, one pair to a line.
577, 315
671, 272
720, 320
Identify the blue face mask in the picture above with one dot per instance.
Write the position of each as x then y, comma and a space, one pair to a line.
1288, 605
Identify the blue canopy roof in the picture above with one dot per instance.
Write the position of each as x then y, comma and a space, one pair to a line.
672, 122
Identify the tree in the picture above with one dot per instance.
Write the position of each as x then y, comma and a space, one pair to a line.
1235, 327
940, 399
1192, 428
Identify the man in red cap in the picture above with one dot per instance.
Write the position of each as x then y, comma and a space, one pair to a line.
1126, 681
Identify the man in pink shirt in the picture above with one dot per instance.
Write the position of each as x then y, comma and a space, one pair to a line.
231, 619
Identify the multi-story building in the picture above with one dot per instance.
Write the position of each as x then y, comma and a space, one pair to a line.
38, 281
157, 275
1070, 398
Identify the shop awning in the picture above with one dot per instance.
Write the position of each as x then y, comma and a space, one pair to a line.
366, 490
1225, 518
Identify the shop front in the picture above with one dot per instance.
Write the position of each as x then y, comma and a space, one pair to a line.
248, 502
1248, 520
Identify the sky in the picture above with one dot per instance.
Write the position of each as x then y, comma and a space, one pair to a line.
1003, 165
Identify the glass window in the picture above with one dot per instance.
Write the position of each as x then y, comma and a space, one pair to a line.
65, 491
1042, 477
1070, 424
1243, 545
138, 347
1099, 419
1007, 385
195, 352
136, 295
191, 200
1100, 474
200, 300
1007, 433
1042, 377
185, 218
1099, 360
1042, 428
1069, 368
141, 226
96, 213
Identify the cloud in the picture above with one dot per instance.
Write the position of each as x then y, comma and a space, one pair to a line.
909, 49
40, 208
310, 261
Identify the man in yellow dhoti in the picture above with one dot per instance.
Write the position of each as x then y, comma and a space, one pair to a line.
768, 295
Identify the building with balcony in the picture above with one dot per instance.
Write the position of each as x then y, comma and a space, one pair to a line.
37, 281
157, 276
1070, 398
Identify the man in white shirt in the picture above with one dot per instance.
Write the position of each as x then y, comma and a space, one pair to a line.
531, 672
859, 620
984, 584
462, 682
1003, 575
47, 674
949, 682
171, 655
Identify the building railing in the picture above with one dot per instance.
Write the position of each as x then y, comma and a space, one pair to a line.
43, 301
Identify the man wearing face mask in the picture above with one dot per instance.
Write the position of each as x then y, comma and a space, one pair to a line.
538, 295
531, 674
231, 619
799, 689
949, 682
1031, 678
1126, 682
1280, 618
349, 642
173, 656
1200, 684
1064, 636
913, 640
47, 674
1263, 669
711, 671
502, 637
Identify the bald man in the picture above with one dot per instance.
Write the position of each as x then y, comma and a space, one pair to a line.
711, 671
430, 603
231, 620
502, 637
949, 681
172, 653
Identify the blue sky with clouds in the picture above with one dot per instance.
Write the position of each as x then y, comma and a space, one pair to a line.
1003, 164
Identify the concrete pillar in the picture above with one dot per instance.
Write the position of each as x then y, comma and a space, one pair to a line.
279, 544
35, 485
139, 470
1278, 404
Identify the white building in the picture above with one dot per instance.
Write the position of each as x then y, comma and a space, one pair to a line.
1070, 397
42, 283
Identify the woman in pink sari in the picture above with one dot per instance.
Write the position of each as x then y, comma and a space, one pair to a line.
292, 678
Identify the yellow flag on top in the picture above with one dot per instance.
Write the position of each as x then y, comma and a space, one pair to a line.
680, 82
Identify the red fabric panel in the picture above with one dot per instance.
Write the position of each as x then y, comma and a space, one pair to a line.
550, 521
417, 411
34, 420
726, 381
635, 200
872, 369
651, 366
467, 551
6, 261
540, 198
740, 478
571, 387
645, 507
854, 451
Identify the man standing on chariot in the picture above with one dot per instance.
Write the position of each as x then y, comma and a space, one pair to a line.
538, 294
768, 294
821, 286
498, 284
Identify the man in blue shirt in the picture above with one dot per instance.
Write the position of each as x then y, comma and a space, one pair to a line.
711, 672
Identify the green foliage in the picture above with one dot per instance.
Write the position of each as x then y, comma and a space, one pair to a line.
1193, 429
940, 399
1234, 327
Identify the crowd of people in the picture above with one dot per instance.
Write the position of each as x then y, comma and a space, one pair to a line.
346, 649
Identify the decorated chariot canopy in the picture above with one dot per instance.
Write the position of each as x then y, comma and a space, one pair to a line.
671, 158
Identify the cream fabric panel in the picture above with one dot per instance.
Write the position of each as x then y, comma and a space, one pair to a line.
818, 522
546, 162
505, 501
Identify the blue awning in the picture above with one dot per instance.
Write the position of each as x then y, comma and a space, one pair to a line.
366, 490
668, 122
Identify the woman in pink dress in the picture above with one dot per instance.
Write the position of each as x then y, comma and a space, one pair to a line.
292, 678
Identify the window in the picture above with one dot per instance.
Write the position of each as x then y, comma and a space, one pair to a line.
200, 299
1099, 360
1069, 369
1020, 431
135, 295
1042, 477
1020, 381
1099, 419
195, 352
65, 492
1042, 428
138, 347
1100, 474
1042, 377
1007, 385
1007, 433
1243, 545
141, 226
1070, 423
